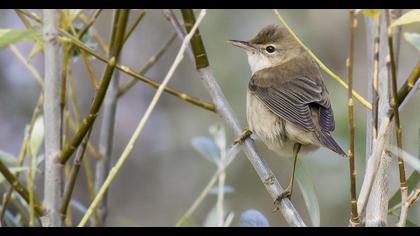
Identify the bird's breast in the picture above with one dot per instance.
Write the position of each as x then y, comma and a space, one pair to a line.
278, 134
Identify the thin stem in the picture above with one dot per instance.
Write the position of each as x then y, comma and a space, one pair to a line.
23, 150
140, 126
134, 25
69, 187
28, 66
127, 70
53, 68
89, 23
394, 103
152, 61
409, 83
354, 216
323, 67
223, 108
23, 192
116, 45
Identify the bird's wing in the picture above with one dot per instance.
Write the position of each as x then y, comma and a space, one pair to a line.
291, 93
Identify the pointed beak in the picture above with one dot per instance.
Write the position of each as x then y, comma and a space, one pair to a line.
242, 44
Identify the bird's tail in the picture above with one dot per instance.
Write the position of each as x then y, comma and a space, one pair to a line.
328, 141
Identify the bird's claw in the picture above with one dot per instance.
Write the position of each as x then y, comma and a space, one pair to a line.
245, 134
283, 195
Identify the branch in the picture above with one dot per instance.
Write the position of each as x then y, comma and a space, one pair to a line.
355, 221
140, 126
116, 45
223, 108
53, 67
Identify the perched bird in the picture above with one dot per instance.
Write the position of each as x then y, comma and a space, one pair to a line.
288, 106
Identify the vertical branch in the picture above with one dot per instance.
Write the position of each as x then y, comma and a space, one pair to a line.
377, 208
395, 102
53, 67
223, 108
354, 216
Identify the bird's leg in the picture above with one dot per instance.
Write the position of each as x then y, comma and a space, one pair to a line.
287, 193
245, 134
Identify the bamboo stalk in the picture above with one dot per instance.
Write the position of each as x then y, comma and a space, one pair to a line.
53, 66
355, 221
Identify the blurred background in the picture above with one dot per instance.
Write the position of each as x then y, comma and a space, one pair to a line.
164, 174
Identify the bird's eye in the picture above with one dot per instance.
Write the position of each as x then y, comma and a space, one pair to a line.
270, 49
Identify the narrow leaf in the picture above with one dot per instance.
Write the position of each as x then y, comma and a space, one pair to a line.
7, 158
37, 136
413, 39
308, 191
408, 18
253, 218
11, 36
207, 148
38, 47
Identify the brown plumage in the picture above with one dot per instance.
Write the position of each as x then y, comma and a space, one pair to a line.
288, 106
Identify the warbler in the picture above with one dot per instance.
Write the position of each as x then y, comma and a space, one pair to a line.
288, 107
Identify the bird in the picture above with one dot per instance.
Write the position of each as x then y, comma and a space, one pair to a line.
287, 103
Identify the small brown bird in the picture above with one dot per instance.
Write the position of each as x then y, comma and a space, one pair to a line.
288, 106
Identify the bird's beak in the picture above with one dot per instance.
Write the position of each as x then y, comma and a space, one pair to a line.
242, 44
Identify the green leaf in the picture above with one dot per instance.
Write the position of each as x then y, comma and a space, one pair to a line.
413, 38
207, 148
253, 218
369, 12
37, 135
408, 18
38, 47
308, 191
7, 158
11, 36
14, 170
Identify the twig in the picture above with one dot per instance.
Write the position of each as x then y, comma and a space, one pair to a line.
230, 156
180, 31
141, 124
134, 25
408, 85
28, 66
35, 114
89, 23
53, 66
223, 108
355, 221
69, 187
323, 67
152, 60
127, 70
394, 103
23, 192
116, 45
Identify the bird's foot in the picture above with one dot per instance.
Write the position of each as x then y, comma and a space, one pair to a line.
285, 194
245, 134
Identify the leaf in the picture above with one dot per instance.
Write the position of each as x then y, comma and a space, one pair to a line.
229, 219
226, 189
308, 191
413, 39
37, 135
219, 135
253, 218
7, 158
369, 12
14, 170
207, 148
38, 47
408, 18
211, 218
11, 36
